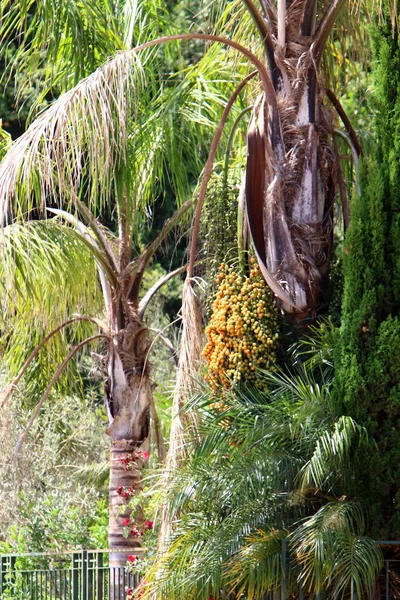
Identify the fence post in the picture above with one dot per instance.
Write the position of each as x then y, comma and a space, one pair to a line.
75, 575
3, 572
84, 575
100, 576
284, 569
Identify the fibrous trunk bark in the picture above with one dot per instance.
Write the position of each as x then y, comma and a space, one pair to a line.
290, 174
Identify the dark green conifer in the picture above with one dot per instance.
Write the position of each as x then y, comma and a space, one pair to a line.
368, 348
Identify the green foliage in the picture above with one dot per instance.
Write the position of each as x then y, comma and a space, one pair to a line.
57, 498
269, 459
368, 346
5, 141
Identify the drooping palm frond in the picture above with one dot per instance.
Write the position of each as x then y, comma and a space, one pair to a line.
332, 552
66, 41
38, 260
331, 456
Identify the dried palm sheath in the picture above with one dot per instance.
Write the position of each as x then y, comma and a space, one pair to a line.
183, 421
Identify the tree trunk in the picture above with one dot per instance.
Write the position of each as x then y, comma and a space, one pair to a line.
128, 402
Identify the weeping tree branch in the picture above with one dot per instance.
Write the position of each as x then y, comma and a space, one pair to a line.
208, 170
12, 386
346, 121
53, 380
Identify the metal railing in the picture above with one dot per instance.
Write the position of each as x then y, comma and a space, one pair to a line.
83, 575
86, 575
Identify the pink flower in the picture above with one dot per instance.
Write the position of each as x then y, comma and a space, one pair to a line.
126, 522
148, 524
134, 531
132, 558
145, 455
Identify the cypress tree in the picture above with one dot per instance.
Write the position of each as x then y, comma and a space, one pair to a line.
368, 346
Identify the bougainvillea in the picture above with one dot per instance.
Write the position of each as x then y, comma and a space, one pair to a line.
243, 330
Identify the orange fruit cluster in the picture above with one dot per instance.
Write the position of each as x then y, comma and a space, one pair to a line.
243, 330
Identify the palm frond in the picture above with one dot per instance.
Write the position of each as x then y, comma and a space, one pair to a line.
38, 260
332, 451
332, 553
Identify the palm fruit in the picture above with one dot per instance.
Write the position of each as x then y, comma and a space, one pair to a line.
242, 335
218, 229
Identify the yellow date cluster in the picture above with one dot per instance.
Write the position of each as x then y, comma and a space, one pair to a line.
242, 335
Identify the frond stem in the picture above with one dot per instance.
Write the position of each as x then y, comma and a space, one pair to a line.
325, 27
154, 289
208, 170
53, 380
266, 37
346, 121
12, 386
230, 141
264, 76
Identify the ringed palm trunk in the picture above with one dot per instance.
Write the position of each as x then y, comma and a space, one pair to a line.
128, 401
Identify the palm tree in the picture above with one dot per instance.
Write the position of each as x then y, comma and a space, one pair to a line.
269, 499
55, 261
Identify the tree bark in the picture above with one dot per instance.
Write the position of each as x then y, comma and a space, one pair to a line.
128, 402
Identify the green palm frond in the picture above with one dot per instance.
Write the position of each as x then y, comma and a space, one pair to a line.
332, 552
258, 566
333, 449
39, 259
74, 38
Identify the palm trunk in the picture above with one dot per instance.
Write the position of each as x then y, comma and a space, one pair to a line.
128, 401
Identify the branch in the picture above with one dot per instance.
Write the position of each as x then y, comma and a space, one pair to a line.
56, 375
208, 170
325, 27
154, 289
10, 388
89, 217
102, 264
344, 136
346, 121
308, 23
167, 342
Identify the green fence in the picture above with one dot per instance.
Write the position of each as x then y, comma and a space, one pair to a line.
83, 575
